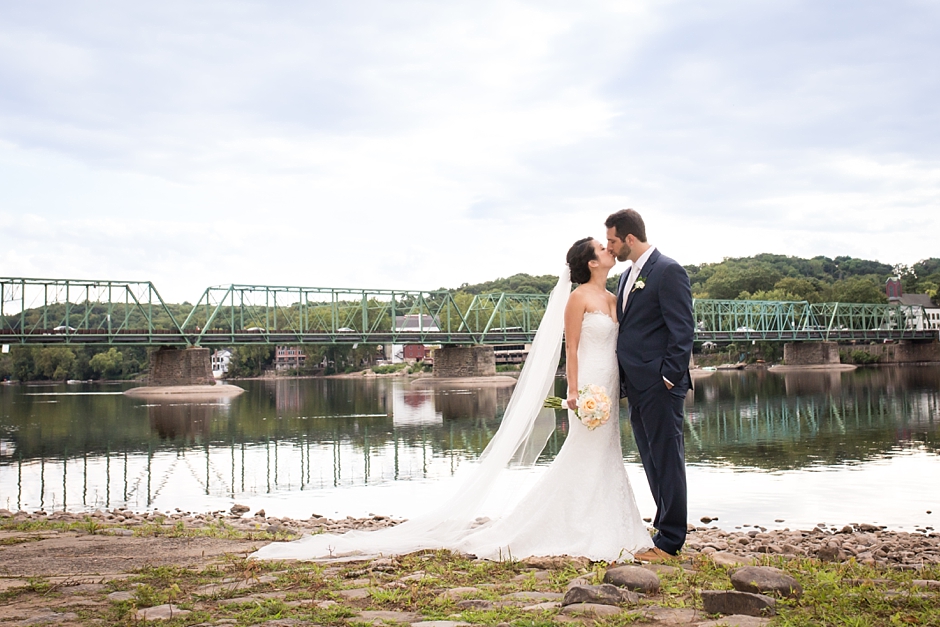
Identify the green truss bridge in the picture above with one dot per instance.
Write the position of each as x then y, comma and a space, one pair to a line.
63, 311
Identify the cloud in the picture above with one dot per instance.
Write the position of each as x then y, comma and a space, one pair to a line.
422, 144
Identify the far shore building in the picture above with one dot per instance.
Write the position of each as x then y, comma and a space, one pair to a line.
412, 323
925, 314
221, 359
289, 358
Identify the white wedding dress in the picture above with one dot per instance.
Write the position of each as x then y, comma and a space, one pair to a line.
582, 505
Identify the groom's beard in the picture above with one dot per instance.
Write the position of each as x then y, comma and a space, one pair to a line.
624, 254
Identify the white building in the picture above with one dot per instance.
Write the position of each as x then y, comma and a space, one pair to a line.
221, 359
412, 323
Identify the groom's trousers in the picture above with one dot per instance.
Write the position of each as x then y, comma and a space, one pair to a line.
656, 416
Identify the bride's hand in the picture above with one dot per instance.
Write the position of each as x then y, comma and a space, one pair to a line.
572, 401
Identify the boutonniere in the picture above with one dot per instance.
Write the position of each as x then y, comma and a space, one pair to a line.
639, 285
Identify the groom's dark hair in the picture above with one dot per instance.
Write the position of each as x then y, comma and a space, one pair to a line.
627, 222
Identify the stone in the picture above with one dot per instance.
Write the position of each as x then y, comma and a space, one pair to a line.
542, 607
458, 593
161, 612
121, 596
325, 605
604, 594
556, 562
49, 618
672, 615
238, 510
440, 623
729, 560
595, 610
84, 588
736, 620
580, 581
766, 580
734, 602
380, 617
926, 583
355, 593
475, 604
661, 569
527, 595
830, 554
634, 578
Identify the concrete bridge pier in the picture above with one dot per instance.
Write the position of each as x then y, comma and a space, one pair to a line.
811, 354
173, 366
464, 361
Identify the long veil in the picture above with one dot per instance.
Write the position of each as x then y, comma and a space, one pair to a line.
522, 434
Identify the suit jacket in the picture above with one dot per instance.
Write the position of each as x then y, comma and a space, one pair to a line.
657, 328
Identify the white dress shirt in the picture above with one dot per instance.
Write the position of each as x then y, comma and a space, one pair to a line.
634, 273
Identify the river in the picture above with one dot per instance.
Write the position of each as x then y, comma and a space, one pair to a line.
775, 450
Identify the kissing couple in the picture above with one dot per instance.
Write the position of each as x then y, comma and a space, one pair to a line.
635, 344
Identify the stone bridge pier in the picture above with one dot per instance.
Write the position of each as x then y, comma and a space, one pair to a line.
810, 353
464, 361
174, 366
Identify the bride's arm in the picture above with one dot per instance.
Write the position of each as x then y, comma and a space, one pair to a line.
574, 317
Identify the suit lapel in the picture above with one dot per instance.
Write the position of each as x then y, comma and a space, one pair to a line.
647, 268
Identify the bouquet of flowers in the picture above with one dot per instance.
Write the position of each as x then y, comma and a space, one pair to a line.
593, 405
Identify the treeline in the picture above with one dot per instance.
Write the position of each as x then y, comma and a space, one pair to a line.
60, 363
820, 279
769, 277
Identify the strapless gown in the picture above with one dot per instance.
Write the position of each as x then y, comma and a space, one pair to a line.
583, 504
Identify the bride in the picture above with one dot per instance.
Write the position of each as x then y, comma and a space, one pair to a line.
583, 504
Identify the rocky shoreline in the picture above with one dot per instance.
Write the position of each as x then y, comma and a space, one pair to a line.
121, 567
864, 543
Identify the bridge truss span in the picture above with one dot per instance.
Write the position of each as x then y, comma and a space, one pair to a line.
65, 311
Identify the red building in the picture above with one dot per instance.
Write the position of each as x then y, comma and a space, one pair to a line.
288, 357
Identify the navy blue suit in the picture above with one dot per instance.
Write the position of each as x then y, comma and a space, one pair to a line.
656, 334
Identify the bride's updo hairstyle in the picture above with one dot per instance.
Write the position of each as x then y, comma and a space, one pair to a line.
578, 257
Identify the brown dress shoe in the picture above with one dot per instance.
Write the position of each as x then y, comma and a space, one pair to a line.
655, 554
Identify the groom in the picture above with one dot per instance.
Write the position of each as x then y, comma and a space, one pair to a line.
654, 305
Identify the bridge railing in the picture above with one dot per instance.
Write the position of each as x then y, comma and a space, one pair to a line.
51, 311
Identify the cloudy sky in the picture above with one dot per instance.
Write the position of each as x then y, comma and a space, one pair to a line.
426, 144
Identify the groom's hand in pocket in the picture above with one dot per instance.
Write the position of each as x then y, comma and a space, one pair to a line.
668, 383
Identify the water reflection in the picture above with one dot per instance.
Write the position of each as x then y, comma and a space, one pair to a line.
74, 447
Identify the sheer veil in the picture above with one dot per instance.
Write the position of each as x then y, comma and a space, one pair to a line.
522, 434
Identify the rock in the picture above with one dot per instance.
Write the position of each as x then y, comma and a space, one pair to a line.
926, 583
440, 623
379, 617
556, 562
736, 620
238, 510
591, 609
84, 588
672, 615
633, 578
605, 594
161, 612
120, 597
534, 596
661, 569
734, 602
354, 593
475, 604
542, 607
729, 560
458, 593
325, 605
830, 554
766, 580
48, 618
584, 580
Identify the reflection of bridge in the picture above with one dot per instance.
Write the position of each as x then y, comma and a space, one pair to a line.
54, 311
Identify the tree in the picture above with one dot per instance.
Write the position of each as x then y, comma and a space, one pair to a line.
856, 290
54, 362
250, 361
109, 365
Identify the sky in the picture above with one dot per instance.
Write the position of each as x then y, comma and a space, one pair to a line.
415, 145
